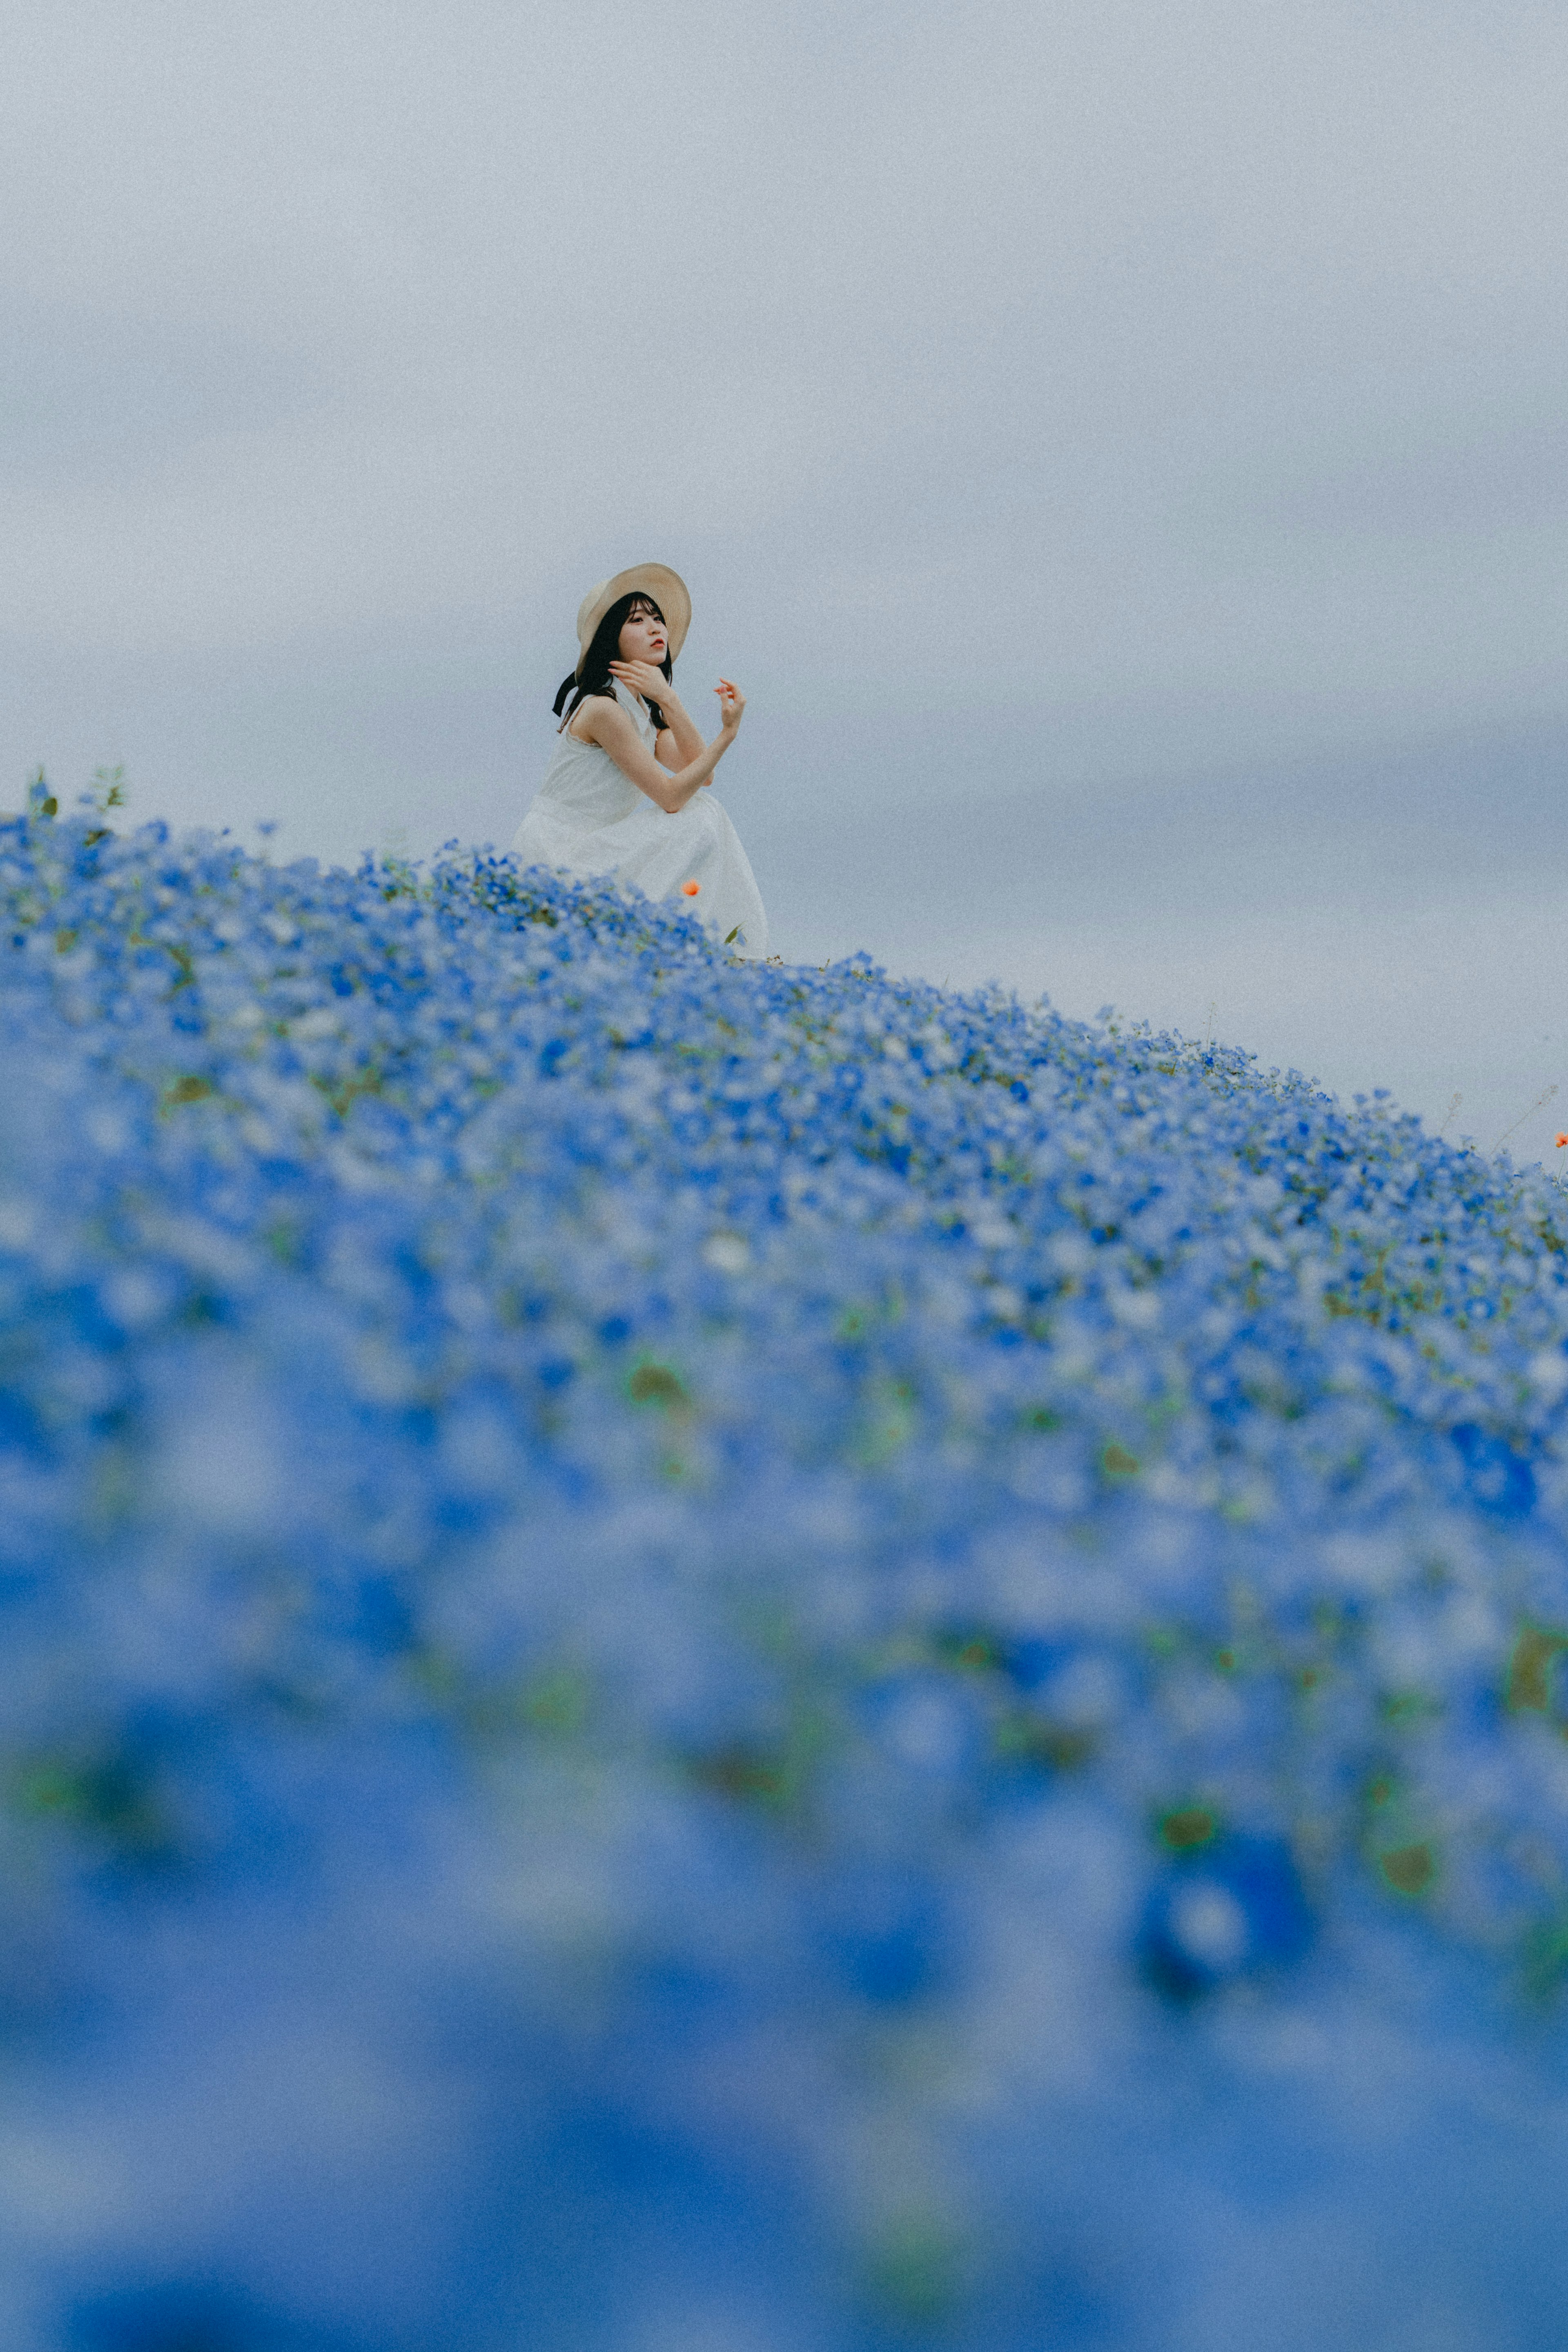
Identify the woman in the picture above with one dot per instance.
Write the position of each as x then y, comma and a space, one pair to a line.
621, 794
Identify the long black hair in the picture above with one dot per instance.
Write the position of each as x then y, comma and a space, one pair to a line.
594, 676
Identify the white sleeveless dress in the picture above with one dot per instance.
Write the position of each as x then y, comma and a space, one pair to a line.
590, 819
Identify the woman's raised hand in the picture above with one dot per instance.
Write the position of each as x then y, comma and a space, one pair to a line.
645, 678
731, 703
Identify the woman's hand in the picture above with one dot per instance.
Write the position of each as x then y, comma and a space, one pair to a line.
645, 678
731, 703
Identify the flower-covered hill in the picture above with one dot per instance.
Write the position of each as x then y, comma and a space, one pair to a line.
747, 1659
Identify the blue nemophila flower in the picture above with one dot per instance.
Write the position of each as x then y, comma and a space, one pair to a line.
614, 1566
1230, 1907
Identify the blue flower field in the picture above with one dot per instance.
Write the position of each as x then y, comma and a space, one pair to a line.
711, 1657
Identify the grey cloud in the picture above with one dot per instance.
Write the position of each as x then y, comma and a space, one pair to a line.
106, 399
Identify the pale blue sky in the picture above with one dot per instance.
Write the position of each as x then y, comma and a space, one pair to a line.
1134, 430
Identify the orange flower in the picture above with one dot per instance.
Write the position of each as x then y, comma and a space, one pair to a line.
691, 889
1561, 1141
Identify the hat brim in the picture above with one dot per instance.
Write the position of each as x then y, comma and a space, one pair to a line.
667, 588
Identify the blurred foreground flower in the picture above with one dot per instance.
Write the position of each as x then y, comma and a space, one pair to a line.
712, 1654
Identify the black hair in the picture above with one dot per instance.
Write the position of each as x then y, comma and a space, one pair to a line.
592, 676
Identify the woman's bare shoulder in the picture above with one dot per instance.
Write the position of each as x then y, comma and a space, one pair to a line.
599, 720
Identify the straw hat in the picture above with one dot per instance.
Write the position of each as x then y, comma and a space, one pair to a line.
667, 588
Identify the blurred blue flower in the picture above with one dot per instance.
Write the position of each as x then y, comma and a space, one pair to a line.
1239, 1909
605, 1555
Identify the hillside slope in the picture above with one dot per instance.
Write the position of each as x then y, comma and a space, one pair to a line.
735, 1657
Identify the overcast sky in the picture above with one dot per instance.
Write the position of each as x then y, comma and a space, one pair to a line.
1119, 446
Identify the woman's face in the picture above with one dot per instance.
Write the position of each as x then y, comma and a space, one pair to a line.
644, 636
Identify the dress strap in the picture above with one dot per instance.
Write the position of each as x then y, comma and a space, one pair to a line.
633, 706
